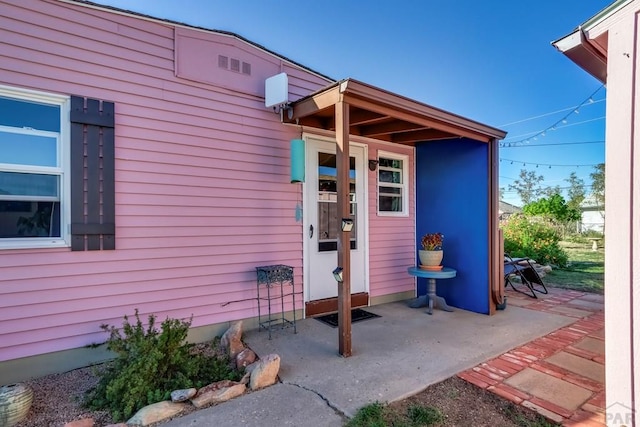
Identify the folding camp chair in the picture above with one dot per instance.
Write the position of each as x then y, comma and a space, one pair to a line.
529, 277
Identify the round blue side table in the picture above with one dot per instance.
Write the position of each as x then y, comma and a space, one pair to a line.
431, 276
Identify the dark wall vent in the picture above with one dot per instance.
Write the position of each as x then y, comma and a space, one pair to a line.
223, 62
246, 68
234, 65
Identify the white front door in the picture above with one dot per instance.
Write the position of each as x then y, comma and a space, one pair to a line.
322, 222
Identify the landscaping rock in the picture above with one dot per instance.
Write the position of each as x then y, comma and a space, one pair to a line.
218, 392
182, 395
116, 425
245, 358
265, 372
156, 412
246, 378
231, 340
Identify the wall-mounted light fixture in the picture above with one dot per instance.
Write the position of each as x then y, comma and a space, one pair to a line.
373, 164
337, 274
347, 224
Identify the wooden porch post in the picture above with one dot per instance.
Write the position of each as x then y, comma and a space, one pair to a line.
496, 260
344, 241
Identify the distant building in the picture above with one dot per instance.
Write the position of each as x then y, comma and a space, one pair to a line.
592, 215
507, 209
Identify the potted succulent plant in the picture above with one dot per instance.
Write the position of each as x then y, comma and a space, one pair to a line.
431, 253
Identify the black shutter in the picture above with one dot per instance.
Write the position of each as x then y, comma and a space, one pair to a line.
92, 175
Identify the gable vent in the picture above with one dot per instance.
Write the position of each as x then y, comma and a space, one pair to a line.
223, 62
246, 68
235, 65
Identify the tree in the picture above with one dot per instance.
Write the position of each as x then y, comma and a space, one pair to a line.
597, 184
550, 191
528, 186
554, 208
501, 193
576, 191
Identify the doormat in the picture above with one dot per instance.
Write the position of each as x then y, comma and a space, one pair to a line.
357, 315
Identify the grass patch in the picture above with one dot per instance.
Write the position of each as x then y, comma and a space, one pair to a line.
424, 415
585, 271
371, 415
379, 415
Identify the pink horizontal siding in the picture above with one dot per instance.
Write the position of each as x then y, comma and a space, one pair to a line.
392, 245
202, 185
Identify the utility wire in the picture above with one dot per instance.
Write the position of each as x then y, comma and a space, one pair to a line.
543, 133
562, 122
548, 114
555, 143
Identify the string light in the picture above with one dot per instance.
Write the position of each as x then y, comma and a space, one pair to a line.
563, 120
508, 144
524, 164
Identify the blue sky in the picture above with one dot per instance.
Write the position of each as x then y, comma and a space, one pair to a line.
490, 61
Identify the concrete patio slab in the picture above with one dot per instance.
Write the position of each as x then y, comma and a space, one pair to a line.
549, 388
278, 405
579, 365
398, 354
593, 345
406, 350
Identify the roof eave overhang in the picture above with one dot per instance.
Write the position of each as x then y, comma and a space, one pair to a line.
405, 120
587, 44
577, 47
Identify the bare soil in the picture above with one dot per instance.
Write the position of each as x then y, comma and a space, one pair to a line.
464, 404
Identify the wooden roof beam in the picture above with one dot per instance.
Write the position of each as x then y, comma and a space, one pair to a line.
312, 104
359, 117
422, 136
389, 127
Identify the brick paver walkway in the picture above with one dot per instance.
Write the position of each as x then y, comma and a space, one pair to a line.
559, 375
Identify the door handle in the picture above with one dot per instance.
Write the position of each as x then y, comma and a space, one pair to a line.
311, 231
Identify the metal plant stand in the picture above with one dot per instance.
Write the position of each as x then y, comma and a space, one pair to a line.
269, 277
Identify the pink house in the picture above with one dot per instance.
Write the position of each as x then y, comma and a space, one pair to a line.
606, 46
141, 169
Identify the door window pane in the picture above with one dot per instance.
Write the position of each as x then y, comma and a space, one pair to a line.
328, 223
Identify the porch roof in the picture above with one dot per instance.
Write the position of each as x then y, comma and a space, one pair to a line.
379, 114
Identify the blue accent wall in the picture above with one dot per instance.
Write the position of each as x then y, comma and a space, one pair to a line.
452, 197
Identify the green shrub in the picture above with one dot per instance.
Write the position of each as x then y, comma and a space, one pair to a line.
536, 239
150, 364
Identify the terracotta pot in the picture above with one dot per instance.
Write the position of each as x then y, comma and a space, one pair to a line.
15, 401
430, 258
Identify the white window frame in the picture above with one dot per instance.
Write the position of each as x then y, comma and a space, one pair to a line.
404, 185
63, 168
